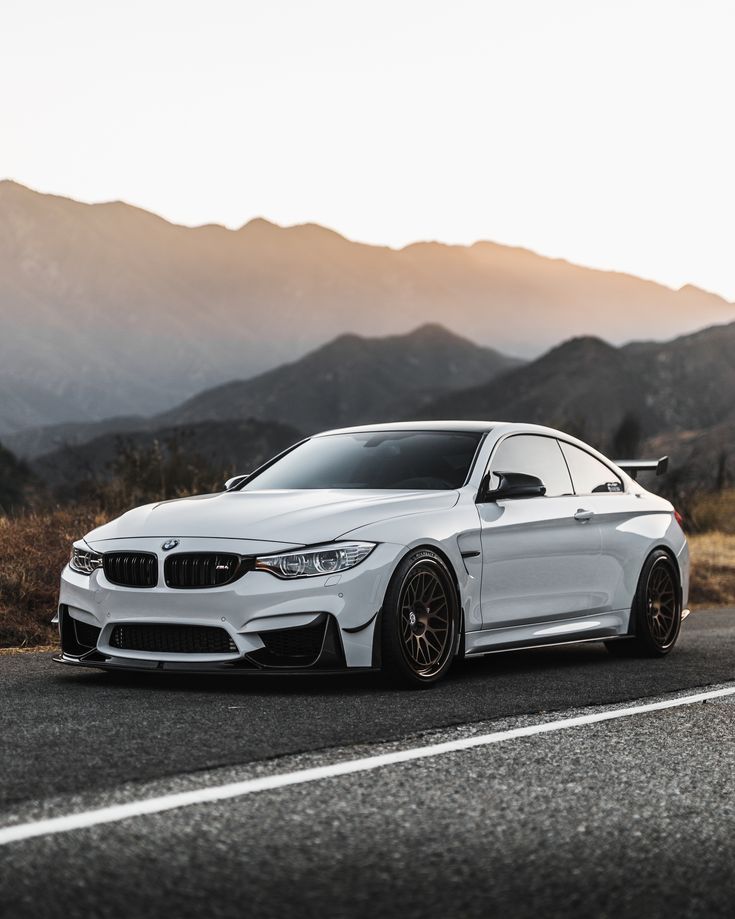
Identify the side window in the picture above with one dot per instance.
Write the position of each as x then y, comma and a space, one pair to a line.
589, 475
533, 455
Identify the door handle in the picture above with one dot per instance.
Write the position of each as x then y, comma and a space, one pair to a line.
584, 515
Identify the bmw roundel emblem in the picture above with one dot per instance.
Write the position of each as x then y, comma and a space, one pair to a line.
169, 544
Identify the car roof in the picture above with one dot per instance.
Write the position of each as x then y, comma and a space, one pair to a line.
480, 427
468, 427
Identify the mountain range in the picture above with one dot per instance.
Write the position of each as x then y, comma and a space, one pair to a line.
652, 397
351, 380
107, 309
588, 386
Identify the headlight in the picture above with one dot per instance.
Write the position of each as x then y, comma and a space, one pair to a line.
84, 560
330, 559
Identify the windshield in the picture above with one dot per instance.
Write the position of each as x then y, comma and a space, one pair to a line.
375, 460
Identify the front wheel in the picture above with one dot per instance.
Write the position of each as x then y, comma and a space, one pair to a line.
420, 620
656, 611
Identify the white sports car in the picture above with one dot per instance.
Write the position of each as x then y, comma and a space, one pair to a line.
396, 547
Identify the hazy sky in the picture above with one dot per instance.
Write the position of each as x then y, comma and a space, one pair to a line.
602, 132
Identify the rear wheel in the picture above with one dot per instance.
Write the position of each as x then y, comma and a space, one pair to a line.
656, 611
420, 620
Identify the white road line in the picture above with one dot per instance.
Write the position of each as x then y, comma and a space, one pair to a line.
211, 793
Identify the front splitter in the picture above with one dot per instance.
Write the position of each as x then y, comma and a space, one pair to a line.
233, 668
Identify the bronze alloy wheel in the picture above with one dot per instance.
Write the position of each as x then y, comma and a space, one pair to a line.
662, 604
425, 620
420, 620
655, 617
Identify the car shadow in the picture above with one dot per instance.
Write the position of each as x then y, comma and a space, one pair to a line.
534, 662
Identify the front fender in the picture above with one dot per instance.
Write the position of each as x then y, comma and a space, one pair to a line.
454, 533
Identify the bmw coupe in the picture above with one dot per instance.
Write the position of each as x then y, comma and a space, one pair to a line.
394, 547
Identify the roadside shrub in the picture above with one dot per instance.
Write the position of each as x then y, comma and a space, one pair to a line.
713, 569
712, 511
34, 547
15, 482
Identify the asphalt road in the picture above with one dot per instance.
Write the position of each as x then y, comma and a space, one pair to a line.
628, 817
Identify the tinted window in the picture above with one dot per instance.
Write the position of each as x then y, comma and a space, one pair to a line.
379, 459
533, 455
589, 475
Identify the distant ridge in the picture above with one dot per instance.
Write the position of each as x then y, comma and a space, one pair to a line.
350, 380
109, 309
589, 387
647, 398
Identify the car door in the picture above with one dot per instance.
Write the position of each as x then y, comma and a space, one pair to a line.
539, 560
600, 491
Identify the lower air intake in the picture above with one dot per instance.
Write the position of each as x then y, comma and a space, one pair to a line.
172, 639
86, 634
295, 646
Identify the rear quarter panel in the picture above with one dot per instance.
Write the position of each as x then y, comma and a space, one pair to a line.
633, 525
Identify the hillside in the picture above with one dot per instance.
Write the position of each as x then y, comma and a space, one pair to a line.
107, 309
15, 479
672, 397
32, 442
206, 453
351, 380
589, 387
703, 458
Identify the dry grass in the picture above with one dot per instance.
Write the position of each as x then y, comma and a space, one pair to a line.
34, 547
30, 649
712, 512
713, 569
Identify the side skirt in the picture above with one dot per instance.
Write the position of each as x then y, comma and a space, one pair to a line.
538, 634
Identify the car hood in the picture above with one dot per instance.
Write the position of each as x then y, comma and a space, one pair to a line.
292, 517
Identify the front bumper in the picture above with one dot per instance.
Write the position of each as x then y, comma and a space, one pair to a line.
330, 621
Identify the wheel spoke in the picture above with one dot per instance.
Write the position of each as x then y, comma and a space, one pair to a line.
435, 645
661, 604
436, 594
424, 619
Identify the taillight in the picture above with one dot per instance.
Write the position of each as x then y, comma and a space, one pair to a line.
679, 519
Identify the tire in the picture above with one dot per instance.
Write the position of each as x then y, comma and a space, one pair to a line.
420, 621
656, 611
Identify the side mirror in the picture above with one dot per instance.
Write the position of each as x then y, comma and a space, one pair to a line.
236, 480
511, 485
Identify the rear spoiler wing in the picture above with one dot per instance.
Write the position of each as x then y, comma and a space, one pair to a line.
633, 467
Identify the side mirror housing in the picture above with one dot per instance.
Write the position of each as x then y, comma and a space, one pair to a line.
511, 485
236, 480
